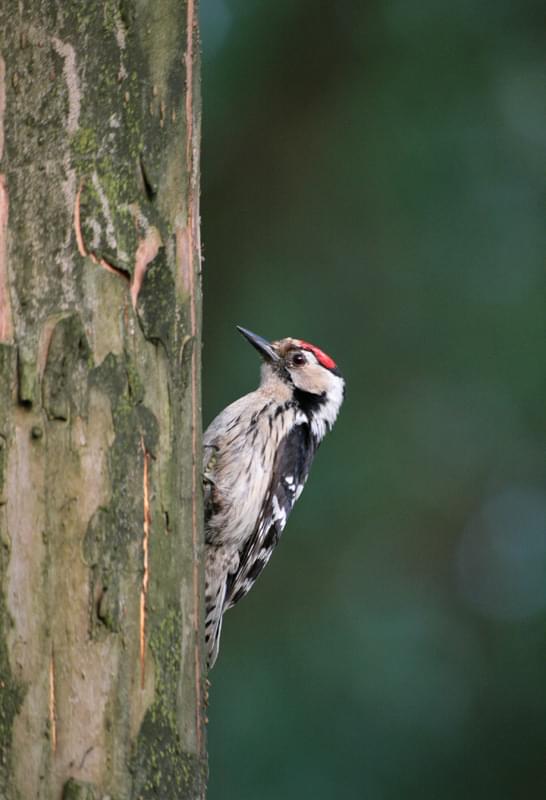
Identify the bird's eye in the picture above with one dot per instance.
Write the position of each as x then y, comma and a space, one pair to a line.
298, 359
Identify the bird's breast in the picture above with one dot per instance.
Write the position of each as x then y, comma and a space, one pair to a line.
243, 471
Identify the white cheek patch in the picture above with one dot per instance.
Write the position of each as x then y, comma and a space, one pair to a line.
323, 421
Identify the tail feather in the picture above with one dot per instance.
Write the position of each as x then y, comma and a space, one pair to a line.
212, 637
219, 564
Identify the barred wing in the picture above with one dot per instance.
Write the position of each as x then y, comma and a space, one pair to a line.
290, 469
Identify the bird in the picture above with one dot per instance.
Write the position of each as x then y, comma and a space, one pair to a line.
256, 458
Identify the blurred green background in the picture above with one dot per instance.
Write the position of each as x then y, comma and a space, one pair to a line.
373, 182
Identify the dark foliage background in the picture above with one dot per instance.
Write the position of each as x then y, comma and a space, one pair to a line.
373, 182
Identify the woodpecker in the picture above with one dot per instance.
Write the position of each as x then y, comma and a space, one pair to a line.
257, 455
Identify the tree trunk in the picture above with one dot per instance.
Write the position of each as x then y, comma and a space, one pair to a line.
101, 670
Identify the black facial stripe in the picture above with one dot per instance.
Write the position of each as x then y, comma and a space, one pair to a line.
282, 372
308, 402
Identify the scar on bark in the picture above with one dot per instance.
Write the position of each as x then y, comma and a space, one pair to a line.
82, 249
146, 569
149, 189
6, 324
52, 703
187, 240
147, 250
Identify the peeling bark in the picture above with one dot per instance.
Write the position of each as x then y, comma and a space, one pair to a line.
101, 669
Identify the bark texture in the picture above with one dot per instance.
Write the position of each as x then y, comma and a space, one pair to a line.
101, 673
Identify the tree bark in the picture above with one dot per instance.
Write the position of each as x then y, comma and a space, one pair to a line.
101, 668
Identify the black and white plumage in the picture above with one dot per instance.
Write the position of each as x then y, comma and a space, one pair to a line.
257, 455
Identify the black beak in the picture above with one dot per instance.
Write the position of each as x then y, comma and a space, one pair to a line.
262, 345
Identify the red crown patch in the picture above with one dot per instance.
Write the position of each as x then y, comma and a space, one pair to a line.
321, 357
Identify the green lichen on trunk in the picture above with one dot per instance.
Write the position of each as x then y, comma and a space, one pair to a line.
160, 763
100, 517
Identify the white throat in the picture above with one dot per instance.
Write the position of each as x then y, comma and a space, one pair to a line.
323, 419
